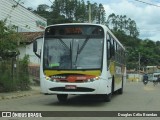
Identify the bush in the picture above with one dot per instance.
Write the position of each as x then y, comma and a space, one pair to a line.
6, 77
14, 78
23, 79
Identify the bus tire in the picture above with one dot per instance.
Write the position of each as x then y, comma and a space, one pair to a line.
120, 91
112, 85
107, 97
62, 97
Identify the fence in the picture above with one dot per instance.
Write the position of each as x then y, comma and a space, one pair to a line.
34, 72
14, 75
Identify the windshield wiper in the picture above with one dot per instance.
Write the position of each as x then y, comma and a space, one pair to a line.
83, 45
63, 43
76, 55
79, 50
71, 49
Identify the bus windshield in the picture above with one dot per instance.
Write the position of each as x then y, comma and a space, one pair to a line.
73, 51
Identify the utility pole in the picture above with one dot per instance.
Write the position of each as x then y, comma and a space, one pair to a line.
139, 64
89, 13
139, 61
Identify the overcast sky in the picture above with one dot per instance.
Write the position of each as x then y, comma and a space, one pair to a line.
146, 16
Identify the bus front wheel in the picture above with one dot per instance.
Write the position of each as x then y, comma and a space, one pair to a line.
62, 97
107, 97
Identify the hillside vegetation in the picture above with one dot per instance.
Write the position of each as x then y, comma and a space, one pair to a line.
125, 29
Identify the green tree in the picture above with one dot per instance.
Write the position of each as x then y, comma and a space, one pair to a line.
80, 11
112, 22
124, 28
69, 9
132, 28
57, 10
121, 23
64, 11
81, 14
43, 10
42, 7
9, 41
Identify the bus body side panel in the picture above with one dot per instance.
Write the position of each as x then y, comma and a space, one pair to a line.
118, 74
116, 67
106, 75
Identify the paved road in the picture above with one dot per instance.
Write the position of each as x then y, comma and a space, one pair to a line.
136, 97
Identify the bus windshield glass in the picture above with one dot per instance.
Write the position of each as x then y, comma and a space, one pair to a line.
73, 47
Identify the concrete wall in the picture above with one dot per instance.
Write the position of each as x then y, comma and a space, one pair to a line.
134, 77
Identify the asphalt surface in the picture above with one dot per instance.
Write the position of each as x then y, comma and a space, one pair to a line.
136, 97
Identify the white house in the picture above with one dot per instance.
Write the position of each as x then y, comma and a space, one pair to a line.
27, 49
23, 19
29, 24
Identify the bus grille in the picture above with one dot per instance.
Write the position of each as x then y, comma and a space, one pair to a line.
76, 81
78, 89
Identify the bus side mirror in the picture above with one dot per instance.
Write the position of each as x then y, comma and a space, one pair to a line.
35, 46
35, 49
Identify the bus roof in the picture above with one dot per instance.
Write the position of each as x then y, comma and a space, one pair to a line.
106, 29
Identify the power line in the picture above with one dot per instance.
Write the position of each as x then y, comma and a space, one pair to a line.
147, 3
50, 1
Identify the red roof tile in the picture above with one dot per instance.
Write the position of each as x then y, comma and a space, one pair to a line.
29, 37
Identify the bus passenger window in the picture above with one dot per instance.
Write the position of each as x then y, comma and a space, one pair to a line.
108, 50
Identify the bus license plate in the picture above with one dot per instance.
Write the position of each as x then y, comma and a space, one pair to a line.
70, 87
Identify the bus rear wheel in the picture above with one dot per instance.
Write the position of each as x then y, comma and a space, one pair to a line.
62, 97
120, 91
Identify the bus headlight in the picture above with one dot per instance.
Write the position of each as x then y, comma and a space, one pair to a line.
92, 79
47, 78
51, 79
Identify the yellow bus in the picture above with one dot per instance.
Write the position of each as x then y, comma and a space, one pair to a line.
81, 58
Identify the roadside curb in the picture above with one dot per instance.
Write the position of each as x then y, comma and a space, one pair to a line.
35, 90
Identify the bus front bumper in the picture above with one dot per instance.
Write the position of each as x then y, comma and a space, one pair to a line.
95, 87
